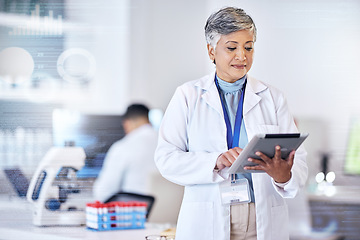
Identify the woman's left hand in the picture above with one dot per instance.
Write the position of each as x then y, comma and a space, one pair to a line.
277, 168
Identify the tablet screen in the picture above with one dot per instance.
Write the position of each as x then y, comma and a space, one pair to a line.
266, 144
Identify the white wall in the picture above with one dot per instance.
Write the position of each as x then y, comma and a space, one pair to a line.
103, 30
167, 47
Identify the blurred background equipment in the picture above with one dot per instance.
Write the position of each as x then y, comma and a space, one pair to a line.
95, 133
54, 187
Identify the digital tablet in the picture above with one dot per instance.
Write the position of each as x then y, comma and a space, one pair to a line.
266, 144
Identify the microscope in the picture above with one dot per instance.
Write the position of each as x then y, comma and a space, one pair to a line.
54, 188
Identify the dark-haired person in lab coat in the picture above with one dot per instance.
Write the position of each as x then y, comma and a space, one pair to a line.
205, 127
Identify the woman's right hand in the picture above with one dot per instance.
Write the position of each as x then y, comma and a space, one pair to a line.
227, 158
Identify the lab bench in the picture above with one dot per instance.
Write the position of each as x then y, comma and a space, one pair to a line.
16, 224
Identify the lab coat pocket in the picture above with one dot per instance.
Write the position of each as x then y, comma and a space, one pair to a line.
196, 221
269, 128
279, 224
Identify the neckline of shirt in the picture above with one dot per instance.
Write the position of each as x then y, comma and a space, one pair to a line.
234, 87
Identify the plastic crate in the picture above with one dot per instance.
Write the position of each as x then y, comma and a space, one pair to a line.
115, 215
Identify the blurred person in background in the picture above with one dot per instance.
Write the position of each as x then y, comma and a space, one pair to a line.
129, 163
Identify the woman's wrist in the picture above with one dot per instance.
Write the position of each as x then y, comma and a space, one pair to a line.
283, 179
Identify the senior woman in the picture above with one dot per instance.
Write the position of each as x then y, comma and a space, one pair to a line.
205, 127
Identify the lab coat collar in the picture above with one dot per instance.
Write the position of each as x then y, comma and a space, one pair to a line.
251, 93
252, 98
207, 83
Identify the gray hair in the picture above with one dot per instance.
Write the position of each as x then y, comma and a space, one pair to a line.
225, 21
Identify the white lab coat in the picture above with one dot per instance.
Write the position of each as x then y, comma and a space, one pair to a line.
128, 164
192, 136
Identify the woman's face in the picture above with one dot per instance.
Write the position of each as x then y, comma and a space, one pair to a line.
233, 55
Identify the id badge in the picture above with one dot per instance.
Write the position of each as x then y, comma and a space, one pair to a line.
235, 191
